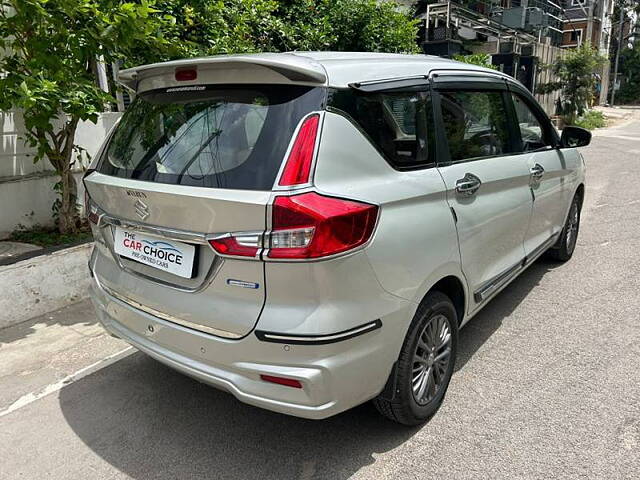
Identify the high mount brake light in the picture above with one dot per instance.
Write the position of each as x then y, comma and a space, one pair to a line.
298, 167
186, 74
311, 225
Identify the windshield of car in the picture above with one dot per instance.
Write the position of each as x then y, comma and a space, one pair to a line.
209, 136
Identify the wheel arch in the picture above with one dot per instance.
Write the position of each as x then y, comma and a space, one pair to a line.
580, 194
452, 287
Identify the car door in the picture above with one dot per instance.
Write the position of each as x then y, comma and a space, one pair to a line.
548, 169
487, 181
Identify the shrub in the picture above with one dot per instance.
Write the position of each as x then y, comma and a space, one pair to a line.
591, 119
576, 80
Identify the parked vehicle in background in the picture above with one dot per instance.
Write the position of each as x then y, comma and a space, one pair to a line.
309, 231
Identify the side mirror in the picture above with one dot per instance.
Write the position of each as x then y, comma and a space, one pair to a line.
575, 137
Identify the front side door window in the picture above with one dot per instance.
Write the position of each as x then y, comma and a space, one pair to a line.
547, 168
475, 124
534, 134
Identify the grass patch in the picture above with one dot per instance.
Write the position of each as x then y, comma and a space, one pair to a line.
591, 119
50, 237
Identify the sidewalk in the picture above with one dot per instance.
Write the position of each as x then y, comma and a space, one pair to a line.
619, 116
39, 356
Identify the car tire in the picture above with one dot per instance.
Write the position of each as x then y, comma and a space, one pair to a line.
563, 250
415, 397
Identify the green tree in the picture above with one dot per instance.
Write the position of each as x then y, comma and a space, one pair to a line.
51, 49
630, 72
576, 79
480, 59
210, 27
50, 54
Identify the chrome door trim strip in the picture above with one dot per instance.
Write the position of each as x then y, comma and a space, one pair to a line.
495, 283
543, 247
505, 277
164, 316
296, 339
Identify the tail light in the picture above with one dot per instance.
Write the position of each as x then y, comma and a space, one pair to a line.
90, 210
298, 167
311, 225
237, 244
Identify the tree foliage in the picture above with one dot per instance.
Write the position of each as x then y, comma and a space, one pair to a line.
51, 49
210, 27
576, 78
479, 59
630, 72
50, 56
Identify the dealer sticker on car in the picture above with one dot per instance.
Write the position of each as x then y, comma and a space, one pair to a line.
173, 257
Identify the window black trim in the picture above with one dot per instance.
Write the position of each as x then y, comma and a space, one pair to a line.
461, 82
378, 86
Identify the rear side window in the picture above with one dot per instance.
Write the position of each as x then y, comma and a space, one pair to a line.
216, 136
475, 124
398, 123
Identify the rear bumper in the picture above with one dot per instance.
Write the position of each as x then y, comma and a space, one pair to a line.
335, 376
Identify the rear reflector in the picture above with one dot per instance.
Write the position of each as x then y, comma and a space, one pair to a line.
185, 75
298, 167
311, 225
287, 382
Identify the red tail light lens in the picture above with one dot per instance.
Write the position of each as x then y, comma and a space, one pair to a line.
298, 167
242, 245
311, 225
90, 211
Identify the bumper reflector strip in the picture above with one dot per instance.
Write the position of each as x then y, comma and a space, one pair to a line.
287, 382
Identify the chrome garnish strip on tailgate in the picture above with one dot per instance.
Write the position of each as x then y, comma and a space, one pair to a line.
168, 233
108, 222
164, 316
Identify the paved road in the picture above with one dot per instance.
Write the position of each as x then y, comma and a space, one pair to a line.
547, 384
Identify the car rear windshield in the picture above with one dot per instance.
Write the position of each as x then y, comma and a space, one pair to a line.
209, 136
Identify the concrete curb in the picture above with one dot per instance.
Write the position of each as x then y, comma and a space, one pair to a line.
43, 284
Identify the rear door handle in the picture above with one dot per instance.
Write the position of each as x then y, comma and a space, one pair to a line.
537, 171
468, 185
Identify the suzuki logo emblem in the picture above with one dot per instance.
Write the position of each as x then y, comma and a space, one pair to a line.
141, 209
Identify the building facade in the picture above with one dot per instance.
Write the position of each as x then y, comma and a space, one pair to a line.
587, 20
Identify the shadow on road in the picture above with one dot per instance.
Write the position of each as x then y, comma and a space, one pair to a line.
151, 422
490, 318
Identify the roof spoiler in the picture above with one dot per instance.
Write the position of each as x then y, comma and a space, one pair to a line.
288, 67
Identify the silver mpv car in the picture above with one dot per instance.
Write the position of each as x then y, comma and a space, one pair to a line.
309, 231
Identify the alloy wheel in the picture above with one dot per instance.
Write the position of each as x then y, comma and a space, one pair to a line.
572, 227
431, 359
